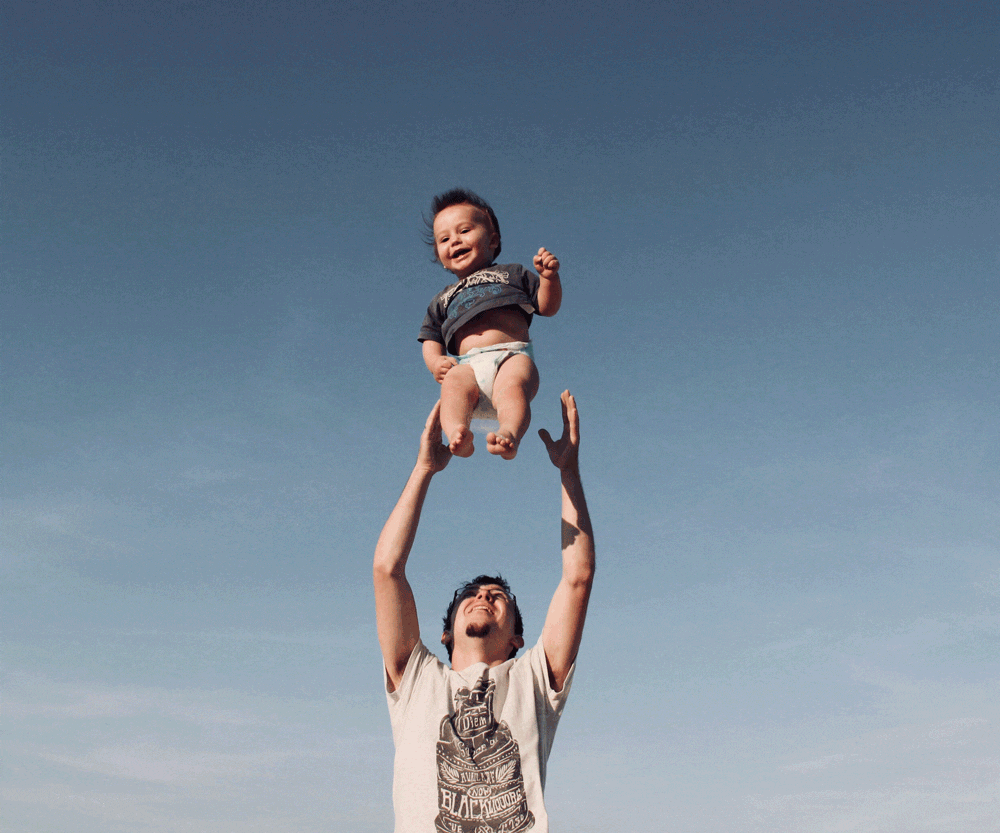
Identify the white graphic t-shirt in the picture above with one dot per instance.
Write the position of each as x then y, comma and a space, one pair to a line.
471, 746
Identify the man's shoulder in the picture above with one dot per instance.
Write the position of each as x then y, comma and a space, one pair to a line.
531, 661
421, 667
422, 656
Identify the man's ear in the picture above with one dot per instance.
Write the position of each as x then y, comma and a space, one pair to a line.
517, 642
446, 635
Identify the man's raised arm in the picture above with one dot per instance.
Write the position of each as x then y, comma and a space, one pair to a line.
395, 609
568, 609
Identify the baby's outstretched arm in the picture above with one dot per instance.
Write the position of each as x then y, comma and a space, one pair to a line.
550, 289
438, 362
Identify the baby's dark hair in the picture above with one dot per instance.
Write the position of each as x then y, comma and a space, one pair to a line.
458, 196
471, 588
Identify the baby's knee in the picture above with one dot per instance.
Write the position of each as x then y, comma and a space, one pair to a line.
460, 379
517, 372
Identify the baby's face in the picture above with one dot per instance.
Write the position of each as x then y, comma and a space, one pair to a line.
464, 239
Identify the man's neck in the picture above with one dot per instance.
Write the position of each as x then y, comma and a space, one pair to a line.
477, 651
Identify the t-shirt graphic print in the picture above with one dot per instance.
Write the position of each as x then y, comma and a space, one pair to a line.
480, 786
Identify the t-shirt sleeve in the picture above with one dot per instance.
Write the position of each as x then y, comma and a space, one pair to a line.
528, 282
430, 330
418, 656
420, 663
555, 700
548, 703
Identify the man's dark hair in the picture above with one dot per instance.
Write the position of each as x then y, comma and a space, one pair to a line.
459, 196
470, 588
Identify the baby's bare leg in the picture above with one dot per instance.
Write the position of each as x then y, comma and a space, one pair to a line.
459, 396
514, 388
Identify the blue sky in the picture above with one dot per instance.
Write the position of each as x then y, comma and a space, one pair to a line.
778, 230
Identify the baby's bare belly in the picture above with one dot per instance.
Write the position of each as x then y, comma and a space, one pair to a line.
495, 326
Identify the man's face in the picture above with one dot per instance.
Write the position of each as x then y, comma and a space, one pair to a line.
485, 611
463, 239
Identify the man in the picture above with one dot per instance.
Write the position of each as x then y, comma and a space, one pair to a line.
472, 740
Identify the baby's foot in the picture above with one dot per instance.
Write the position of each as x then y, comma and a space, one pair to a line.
502, 444
461, 444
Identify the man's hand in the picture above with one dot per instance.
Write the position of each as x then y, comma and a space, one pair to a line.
546, 264
441, 368
563, 452
434, 454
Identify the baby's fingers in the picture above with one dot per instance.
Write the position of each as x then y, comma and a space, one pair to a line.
546, 261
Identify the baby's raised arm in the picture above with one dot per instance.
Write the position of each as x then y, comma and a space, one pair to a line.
550, 288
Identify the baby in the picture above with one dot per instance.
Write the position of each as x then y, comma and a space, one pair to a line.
483, 320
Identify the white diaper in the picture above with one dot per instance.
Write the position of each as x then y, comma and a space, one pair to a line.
485, 362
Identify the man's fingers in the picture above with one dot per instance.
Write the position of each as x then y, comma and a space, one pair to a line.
571, 424
571, 418
434, 418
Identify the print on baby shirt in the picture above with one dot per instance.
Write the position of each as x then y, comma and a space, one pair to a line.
469, 296
480, 786
476, 279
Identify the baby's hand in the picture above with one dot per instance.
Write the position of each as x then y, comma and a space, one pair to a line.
546, 264
442, 366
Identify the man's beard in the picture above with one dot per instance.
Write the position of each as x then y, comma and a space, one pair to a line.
478, 631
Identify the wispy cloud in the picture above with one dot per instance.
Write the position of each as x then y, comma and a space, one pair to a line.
201, 475
151, 762
936, 775
991, 585
940, 807
34, 529
31, 696
816, 764
119, 752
